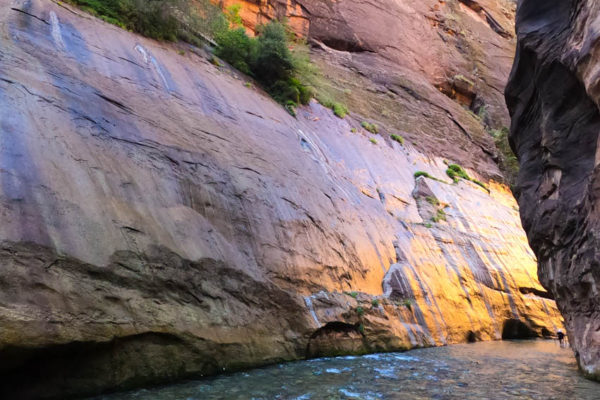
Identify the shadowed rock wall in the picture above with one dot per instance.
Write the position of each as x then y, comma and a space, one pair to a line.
159, 219
553, 98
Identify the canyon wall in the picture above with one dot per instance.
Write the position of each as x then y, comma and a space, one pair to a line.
553, 98
162, 218
433, 69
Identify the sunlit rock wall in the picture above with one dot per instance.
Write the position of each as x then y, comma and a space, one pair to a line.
160, 219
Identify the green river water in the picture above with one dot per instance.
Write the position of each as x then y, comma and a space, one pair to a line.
490, 370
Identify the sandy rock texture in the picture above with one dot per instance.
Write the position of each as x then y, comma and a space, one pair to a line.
553, 98
160, 219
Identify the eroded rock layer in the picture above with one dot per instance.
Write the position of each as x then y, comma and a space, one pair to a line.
160, 219
553, 98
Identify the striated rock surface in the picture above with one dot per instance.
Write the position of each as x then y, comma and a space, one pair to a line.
553, 98
159, 219
434, 70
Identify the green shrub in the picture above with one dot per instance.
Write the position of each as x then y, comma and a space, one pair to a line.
408, 304
360, 311
428, 225
290, 106
455, 171
235, 47
398, 139
374, 141
232, 13
283, 92
373, 128
306, 93
340, 110
160, 19
353, 130
375, 303
352, 294
273, 60
265, 57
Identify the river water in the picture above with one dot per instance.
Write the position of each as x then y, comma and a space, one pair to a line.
488, 370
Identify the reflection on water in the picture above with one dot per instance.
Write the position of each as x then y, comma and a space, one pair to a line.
492, 370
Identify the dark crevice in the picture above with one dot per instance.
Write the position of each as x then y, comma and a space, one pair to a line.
114, 102
31, 15
351, 46
537, 292
491, 21
471, 337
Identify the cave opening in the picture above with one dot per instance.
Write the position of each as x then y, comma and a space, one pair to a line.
516, 329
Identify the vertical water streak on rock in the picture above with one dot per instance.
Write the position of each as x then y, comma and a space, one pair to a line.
56, 31
160, 73
142, 51
311, 309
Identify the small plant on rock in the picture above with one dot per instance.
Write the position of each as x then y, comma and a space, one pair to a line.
398, 139
432, 200
422, 173
361, 328
455, 172
373, 128
290, 106
375, 303
360, 311
439, 216
426, 175
340, 110
373, 141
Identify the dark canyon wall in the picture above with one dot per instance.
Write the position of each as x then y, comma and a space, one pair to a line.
553, 97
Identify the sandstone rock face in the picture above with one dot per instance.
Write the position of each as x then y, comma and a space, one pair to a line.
553, 98
434, 70
159, 220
